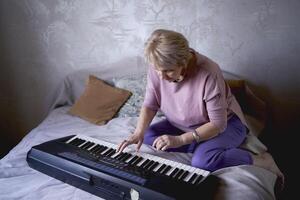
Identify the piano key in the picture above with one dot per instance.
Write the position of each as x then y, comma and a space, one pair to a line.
148, 165
126, 157
73, 141
152, 166
198, 180
88, 145
84, 145
95, 148
192, 179
116, 155
178, 174
133, 159
107, 152
100, 150
166, 169
161, 168
111, 153
174, 172
186, 173
144, 163
137, 161
81, 144
157, 167
140, 163
91, 147
105, 149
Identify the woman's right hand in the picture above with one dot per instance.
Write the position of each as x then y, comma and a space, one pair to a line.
135, 138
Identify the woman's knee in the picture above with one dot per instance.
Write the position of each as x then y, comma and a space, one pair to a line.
207, 160
199, 161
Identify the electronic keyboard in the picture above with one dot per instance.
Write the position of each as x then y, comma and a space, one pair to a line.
94, 166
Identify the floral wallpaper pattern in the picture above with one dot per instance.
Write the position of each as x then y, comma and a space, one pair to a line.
43, 40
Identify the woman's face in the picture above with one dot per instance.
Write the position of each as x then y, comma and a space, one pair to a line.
170, 75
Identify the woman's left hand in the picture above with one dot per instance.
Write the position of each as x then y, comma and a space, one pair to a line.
167, 141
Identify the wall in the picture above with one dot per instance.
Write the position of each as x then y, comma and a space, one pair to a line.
41, 41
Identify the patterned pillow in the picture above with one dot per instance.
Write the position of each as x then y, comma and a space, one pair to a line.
136, 84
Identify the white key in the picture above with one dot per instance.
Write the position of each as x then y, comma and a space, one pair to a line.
146, 156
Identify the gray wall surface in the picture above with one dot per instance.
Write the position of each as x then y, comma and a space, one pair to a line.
41, 41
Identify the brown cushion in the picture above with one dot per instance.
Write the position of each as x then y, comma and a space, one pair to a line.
99, 101
253, 107
237, 88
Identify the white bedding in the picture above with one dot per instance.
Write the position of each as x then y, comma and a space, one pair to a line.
19, 181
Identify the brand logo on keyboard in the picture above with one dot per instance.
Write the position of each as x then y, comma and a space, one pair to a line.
134, 194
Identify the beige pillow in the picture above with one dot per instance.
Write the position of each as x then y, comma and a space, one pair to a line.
99, 102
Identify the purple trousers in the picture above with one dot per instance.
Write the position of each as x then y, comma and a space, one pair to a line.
215, 153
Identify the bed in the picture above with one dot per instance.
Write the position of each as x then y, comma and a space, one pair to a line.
19, 181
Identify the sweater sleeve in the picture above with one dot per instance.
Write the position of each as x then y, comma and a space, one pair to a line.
150, 100
215, 100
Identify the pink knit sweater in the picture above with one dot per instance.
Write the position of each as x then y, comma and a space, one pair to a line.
203, 96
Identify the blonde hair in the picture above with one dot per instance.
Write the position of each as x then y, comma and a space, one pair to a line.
167, 49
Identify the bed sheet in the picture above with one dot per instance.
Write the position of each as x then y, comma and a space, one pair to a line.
19, 181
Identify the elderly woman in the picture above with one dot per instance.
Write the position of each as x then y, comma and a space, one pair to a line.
202, 115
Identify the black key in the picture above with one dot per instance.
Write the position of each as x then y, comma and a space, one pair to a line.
102, 150
95, 148
161, 168
144, 163
148, 164
137, 161
107, 152
85, 144
120, 156
99, 151
133, 159
165, 170
111, 153
75, 141
182, 177
174, 172
88, 145
178, 174
127, 156
198, 180
153, 166
79, 142
192, 178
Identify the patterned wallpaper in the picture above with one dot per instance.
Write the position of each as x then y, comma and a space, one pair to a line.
43, 40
